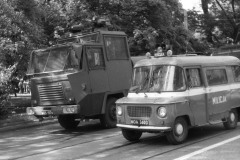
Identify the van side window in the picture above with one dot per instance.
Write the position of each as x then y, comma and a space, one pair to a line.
193, 77
116, 48
216, 76
236, 73
95, 58
179, 80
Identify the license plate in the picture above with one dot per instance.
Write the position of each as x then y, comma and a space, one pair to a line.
139, 122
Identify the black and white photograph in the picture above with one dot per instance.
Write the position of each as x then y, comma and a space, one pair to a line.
119, 79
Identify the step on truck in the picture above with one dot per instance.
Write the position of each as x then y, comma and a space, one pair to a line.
80, 78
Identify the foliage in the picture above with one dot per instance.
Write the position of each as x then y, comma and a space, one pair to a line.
4, 103
220, 19
30, 24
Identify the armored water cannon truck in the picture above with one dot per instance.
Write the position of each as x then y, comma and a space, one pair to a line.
80, 78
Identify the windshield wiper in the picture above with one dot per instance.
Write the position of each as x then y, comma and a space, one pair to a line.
135, 89
152, 84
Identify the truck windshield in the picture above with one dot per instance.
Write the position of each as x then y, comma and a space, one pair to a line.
162, 78
52, 60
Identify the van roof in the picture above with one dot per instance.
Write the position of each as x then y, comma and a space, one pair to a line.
190, 61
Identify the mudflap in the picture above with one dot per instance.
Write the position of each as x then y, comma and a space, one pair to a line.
80, 85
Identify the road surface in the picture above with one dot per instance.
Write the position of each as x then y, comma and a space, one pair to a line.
90, 142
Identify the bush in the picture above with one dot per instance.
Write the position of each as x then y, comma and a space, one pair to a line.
4, 102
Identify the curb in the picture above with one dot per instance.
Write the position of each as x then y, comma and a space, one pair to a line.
23, 124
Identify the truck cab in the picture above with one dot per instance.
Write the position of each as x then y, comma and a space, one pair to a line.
80, 78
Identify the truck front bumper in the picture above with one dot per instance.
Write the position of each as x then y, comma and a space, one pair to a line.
53, 110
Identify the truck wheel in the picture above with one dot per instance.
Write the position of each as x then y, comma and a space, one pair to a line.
131, 135
179, 132
68, 121
232, 120
109, 118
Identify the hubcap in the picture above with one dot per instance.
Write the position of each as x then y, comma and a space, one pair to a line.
232, 117
179, 129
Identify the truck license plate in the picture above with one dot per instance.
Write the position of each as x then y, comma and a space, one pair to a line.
139, 122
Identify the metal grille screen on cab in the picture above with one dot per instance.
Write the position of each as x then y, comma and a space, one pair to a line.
50, 92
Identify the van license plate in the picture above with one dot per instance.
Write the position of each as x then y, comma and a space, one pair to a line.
139, 122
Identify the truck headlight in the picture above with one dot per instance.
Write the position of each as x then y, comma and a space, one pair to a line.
69, 109
119, 110
162, 112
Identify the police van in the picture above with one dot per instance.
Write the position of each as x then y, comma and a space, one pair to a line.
173, 94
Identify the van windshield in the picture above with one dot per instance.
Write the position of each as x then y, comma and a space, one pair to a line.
52, 60
162, 78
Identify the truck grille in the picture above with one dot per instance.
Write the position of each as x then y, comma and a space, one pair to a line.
50, 92
139, 111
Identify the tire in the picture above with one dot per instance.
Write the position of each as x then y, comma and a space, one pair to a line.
131, 135
179, 132
232, 120
109, 118
68, 122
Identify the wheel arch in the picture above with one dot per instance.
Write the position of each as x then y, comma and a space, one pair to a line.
187, 118
107, 96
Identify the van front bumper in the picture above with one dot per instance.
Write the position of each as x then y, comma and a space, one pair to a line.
53, 110
144, 128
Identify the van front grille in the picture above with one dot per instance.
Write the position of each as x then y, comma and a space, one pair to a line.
50, 92
139, 111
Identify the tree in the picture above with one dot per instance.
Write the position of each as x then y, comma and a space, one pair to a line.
221, 20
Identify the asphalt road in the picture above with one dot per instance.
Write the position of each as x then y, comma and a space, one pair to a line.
90, 141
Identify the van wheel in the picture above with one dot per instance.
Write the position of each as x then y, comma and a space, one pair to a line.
109, 118
179, 132
131, 135
68, 121
231, 121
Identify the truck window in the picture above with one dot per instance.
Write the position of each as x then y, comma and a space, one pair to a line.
72, 61
193, 77
48, 60
236, 73
39, 59
56, 59
116, 48
95, 58
216, 76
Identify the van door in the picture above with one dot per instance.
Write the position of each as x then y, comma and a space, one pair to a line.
218, 90
197, 94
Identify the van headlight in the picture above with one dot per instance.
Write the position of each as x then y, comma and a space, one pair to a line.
119, 110
162, 112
